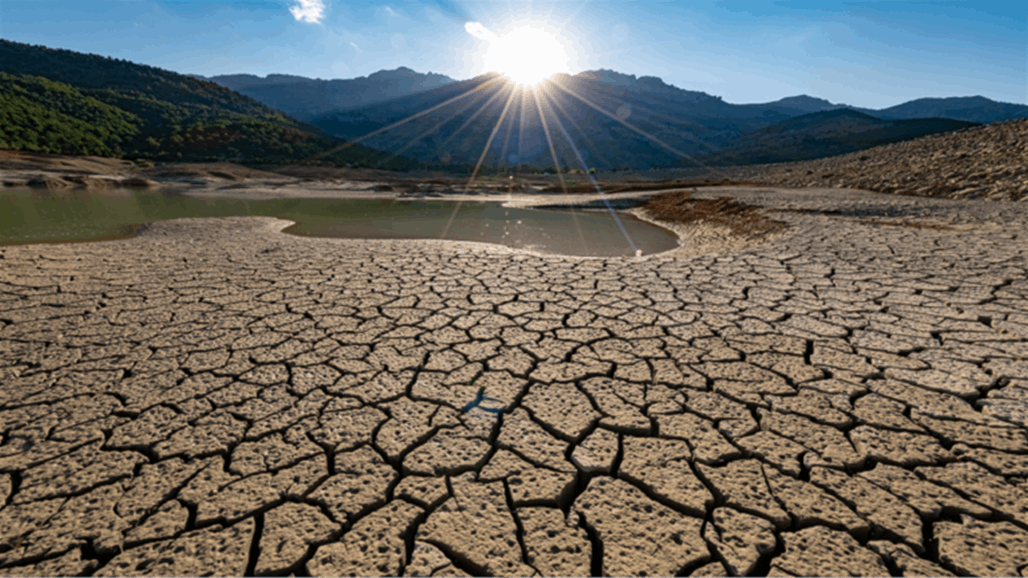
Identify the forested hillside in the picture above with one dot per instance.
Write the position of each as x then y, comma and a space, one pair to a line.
37, 114
66, 102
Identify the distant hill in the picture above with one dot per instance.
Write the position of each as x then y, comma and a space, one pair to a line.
807, 103
67, 102
804, 104
305, 98
644, 84
823, 134
583, 113
968, 108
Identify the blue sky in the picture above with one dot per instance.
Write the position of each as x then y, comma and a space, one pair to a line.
872, 54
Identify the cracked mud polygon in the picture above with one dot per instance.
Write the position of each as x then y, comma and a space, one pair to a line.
833, 396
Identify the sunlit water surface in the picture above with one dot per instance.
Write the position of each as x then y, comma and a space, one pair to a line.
39, 216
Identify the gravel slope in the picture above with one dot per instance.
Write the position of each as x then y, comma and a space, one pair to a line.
988, 162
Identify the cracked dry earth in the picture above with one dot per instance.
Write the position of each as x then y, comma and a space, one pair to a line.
215, 397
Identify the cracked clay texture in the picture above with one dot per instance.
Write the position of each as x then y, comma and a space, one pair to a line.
215, 397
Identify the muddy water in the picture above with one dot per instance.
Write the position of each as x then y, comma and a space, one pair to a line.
36, 216
567, 232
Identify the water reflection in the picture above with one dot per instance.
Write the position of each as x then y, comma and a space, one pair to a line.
34, 216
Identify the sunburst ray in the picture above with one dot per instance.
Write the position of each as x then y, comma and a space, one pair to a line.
555, 102
489, 142
585, 169
626, 124
474, 173
671, 120
475, 115
521, 133
416, 115
506, 142
549, 141
433, 129
556, 163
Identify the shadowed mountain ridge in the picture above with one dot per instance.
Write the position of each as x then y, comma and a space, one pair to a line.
305, 98
827, 133
588, 114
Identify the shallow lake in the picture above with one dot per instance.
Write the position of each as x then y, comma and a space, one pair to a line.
39, 216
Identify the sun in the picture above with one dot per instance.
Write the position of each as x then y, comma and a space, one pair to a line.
526, 54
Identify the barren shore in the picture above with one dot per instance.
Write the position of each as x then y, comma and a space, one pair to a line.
817, 382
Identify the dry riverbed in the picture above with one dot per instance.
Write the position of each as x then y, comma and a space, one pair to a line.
831, 381
847, 394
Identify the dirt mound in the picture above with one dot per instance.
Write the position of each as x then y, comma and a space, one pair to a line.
742, 219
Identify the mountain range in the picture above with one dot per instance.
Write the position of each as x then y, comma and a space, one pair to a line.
615, 120
823, 134
64, 101
304, 98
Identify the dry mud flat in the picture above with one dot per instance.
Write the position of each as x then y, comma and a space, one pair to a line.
849, 396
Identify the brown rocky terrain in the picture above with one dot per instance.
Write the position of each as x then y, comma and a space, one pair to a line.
987, 162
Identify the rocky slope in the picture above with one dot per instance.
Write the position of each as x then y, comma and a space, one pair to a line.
988, 162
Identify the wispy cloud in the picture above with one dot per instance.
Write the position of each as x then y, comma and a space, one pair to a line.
357, 48
390, 11
479, 31
310, 11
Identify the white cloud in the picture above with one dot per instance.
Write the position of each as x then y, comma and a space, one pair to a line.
390, 11
479, 31
357, 48
310, 11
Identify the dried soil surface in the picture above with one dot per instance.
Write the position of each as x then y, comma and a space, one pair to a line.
845, 395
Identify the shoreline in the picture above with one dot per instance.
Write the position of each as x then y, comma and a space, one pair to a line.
695, 238
519, 201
